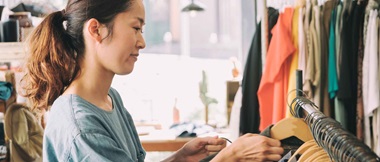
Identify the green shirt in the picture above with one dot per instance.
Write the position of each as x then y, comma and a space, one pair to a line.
77, 130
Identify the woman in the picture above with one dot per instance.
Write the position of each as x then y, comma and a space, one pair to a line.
74, 55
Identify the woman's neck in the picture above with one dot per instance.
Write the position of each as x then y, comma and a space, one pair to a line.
93, 86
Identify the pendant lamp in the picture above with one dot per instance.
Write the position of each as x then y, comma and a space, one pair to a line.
193, 6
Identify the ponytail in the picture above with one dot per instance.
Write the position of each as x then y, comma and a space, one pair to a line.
51, 63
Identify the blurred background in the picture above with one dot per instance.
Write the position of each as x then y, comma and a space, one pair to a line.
180, 46
189, 72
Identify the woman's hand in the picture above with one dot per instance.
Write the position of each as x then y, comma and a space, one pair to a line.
251, 147
198, 148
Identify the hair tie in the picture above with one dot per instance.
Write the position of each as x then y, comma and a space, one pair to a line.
63, 12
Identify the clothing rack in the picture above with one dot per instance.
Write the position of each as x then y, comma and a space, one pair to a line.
341, 145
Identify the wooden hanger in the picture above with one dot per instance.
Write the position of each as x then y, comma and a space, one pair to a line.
308, 153
323, 158
316, 155
303, 148
289, 127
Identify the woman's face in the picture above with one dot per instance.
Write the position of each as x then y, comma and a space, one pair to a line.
119, 52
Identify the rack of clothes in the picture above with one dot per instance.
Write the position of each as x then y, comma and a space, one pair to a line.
309, 135
330, 135
336, 45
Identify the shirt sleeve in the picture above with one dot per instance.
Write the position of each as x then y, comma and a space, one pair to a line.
89, 147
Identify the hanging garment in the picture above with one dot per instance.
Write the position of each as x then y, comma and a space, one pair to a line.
325, 30
339, 110
303, 40
349, 66
359, 98
24, 133
332, 75
372, 5
309, 29
338, 21
317, 57
376, 131
249, 113
291, 94
359, 94
371, 89
376, 113
367, 132
332, 72
302, 55
272, 89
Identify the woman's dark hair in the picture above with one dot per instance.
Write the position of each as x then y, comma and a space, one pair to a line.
56, 47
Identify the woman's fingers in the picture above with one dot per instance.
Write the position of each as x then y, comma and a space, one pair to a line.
273, 157
273, 142
276, 150
214, 148
216, 141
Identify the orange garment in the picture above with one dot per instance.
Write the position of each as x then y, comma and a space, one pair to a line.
294, 63
274, 82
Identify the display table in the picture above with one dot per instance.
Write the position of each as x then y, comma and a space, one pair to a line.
161, 140
164, 145
166, 140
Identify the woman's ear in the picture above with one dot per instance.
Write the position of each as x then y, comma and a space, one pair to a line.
93, 29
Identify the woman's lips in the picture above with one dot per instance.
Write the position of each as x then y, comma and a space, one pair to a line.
134, 56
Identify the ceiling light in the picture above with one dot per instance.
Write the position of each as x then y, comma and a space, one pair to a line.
193, 6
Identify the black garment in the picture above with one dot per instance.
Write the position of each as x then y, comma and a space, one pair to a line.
288, 144
348, 81
1, 11
249, 113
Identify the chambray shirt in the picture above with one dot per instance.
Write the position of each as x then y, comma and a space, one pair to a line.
77, 130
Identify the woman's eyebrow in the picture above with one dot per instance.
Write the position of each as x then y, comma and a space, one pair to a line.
141, 20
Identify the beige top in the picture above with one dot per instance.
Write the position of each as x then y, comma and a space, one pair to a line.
24, 133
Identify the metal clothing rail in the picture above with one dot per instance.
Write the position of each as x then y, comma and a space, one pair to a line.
341, 145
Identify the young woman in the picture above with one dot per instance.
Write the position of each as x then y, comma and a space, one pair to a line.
74, 55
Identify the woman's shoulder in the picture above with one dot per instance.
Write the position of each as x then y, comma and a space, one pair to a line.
76, 114
114, 93
69, 118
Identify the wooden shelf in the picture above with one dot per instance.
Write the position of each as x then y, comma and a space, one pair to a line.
232, 88
12, 51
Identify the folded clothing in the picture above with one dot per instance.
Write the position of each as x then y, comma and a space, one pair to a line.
6, 89
190, 129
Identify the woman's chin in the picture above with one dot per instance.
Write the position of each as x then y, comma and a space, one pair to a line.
125, 71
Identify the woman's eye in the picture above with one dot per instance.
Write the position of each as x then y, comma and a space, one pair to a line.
138, 29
